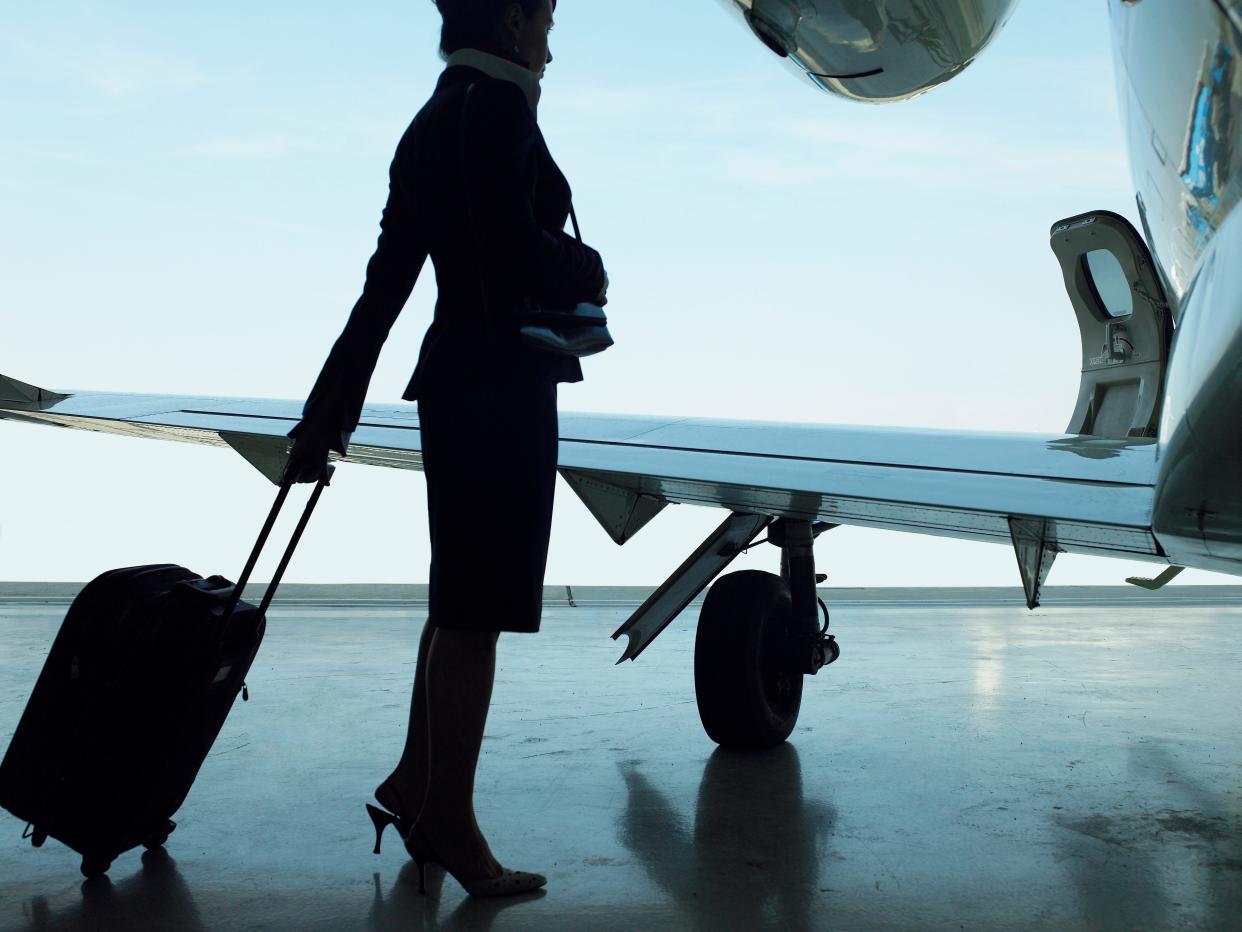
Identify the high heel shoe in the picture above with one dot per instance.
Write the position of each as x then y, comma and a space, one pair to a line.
509, 883
382, 818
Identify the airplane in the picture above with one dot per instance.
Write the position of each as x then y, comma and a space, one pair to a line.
1147, 469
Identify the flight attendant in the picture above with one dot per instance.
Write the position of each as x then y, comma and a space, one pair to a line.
473, 186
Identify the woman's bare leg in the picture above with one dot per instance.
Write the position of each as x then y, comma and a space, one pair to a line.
460, 672
404, 790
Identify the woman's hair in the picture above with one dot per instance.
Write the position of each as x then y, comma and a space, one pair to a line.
475, 23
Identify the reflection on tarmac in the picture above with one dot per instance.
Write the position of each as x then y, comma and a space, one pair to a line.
1162, 867
751, 859
155, 898
404, 908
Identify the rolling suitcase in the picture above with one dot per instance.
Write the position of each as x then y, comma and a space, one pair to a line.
139, 681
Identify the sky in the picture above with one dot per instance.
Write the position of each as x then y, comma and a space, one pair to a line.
191, 192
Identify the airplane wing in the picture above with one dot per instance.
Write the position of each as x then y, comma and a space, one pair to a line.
1069, 493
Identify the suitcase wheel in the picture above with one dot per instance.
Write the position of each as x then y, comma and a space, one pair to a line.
157, 840
93, 867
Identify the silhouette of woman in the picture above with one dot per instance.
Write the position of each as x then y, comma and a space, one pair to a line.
474, 186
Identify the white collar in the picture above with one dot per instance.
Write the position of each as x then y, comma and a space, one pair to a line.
501, 69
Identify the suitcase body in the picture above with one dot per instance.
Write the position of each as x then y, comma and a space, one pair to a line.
138, 683
133, 694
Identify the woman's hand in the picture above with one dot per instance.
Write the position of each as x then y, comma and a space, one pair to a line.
308, 459
602, 298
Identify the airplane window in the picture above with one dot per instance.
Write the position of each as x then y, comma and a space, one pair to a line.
1110, 283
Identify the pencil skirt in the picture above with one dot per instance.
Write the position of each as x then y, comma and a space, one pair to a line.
489, 457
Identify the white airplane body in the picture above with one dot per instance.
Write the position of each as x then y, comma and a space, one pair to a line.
1149, 468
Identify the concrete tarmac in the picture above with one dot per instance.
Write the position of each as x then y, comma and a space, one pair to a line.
966, 765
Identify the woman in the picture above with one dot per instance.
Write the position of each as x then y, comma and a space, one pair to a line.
473, 186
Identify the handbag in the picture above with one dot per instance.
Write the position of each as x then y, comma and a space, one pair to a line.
576, 331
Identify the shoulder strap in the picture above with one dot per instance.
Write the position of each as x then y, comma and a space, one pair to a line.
573, 216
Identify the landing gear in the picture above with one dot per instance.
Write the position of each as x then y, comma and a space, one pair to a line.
758, 635
748, 695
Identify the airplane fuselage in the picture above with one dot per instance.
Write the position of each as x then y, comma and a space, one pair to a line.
1180, 92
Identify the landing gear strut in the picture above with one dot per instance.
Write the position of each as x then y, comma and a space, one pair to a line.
812, 646
758, 635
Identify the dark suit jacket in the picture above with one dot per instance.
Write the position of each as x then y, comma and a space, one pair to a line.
477, 190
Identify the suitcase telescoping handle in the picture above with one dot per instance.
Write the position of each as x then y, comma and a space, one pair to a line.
262, 542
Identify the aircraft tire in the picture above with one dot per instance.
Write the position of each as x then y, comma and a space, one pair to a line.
747, 697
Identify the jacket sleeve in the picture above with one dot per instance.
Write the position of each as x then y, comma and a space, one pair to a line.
335, 402
502, 148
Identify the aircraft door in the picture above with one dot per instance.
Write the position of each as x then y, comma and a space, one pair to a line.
1124, 321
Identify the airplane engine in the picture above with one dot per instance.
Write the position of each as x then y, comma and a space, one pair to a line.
877, 51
